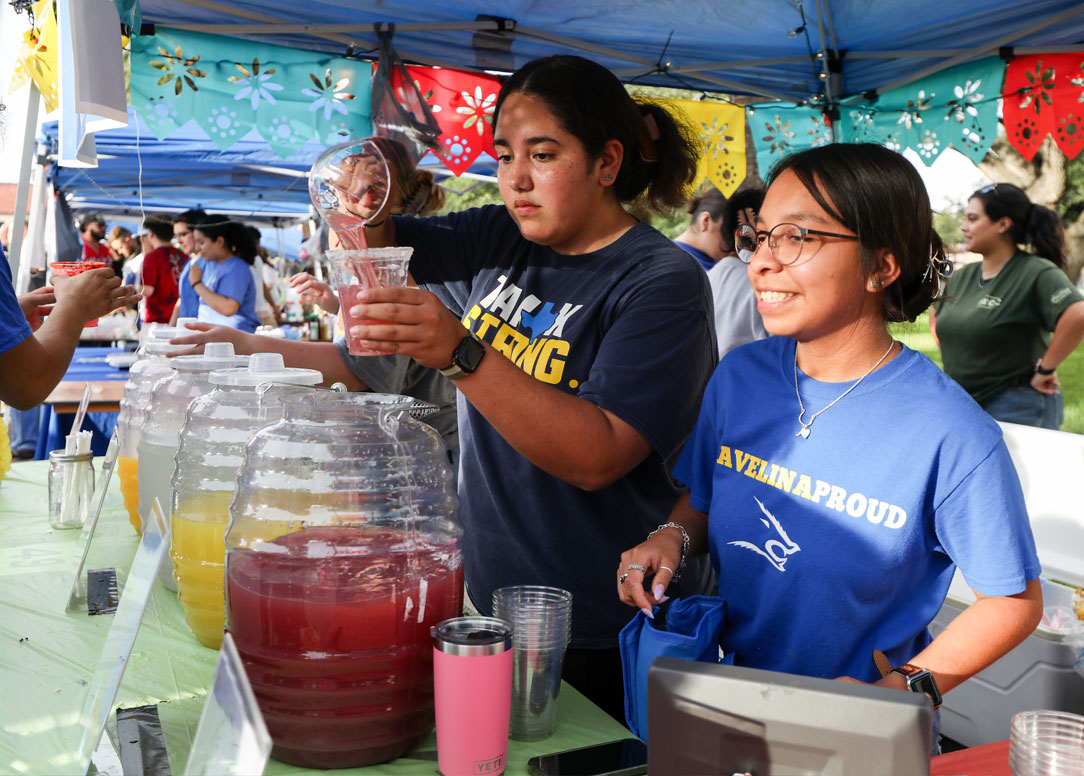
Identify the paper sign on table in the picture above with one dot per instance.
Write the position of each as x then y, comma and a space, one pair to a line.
122, 633
232, 739
77, 599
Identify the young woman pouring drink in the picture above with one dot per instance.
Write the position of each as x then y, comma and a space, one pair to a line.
838, 478
580, 341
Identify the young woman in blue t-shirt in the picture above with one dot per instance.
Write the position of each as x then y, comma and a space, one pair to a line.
225, 286
588, 343
838, 478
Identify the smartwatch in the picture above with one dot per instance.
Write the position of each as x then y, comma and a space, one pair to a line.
920, 680
465, 358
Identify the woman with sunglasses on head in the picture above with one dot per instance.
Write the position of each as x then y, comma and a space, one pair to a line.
588, 343
837, 478
1007, 322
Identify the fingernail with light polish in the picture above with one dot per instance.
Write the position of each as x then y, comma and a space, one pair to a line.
647, 610
658, 591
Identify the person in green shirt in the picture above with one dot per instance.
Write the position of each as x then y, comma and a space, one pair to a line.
1007, 322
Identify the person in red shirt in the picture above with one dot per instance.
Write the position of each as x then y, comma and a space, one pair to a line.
161, 269
92, 230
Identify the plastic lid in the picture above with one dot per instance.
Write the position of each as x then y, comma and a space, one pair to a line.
266, 368
472, 636
216, 355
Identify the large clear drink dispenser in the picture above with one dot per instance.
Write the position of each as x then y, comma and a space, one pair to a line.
150, 366
158, 439
343, 550
210, 450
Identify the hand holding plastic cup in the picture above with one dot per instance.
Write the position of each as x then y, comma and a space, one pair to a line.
354, 271
472, 689
68, 269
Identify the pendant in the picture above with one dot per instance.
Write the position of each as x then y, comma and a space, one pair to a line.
804, 433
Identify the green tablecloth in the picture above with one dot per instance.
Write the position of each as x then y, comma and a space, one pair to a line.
47, 656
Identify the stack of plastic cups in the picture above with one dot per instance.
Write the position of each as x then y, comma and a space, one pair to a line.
541, 619
1046, 743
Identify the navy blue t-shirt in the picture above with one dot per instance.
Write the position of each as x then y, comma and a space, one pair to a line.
628, 328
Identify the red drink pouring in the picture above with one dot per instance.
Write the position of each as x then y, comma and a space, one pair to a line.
354, 271
332, 624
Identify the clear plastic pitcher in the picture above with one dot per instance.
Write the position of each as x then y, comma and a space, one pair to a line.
169, 399
210, 450
149, 367
343, 550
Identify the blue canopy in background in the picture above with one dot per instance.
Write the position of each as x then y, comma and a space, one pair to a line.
768, 48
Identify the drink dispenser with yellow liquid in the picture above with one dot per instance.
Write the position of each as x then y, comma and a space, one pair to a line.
343, 549
189, 378
210, 450
150, 366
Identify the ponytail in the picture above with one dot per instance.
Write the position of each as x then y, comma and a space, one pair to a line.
1043, 231
661, 155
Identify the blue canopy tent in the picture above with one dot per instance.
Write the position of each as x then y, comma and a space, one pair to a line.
779, 49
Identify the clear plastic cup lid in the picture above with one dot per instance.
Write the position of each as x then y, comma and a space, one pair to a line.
161, 331
216, 355
266, 368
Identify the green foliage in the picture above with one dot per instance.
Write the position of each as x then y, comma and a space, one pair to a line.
1071, 205
1070, 372
465, 193
947, 223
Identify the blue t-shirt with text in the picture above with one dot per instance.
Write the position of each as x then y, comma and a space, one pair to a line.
627, 328
189, 298
844, 542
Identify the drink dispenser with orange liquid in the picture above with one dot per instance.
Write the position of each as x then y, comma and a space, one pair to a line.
210, 450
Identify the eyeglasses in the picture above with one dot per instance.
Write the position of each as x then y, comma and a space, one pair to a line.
785, 241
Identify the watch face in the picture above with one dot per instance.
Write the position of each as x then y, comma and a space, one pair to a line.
469, 354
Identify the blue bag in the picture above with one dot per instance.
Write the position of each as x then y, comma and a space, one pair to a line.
692, 632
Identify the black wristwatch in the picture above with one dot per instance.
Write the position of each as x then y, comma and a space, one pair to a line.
920, 680
1041, 370
466, 357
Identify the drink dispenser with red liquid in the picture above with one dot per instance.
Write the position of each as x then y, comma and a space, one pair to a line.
343, 550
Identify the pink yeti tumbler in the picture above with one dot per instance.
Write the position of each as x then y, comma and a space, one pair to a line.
472, 684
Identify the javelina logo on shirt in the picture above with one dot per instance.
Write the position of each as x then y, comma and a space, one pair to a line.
774, 551
540, 321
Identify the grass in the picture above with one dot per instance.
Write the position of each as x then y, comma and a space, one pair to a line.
1070, 373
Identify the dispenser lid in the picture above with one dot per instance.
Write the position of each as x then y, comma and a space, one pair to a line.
472, 636
216, 355
266, 368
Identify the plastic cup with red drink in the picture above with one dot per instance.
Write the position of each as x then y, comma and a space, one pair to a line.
354, 271
67, 269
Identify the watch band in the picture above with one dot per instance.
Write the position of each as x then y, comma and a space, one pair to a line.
920, 680
1040, 370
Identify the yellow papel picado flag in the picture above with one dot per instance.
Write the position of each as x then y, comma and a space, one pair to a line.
720, 127
37, 56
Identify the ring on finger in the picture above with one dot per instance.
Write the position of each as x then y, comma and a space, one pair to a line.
668, 569
621, 579
635, 567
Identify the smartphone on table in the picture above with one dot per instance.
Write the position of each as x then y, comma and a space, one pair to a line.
627, 757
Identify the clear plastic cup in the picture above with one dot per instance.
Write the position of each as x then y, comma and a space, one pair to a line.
1046, 743
541, 619
354, 271
67, 269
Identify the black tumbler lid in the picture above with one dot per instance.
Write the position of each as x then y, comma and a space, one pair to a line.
472, 636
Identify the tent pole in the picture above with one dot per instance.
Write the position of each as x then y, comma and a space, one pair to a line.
22, 190
35, 242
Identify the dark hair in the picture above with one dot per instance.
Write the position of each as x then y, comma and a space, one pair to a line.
190, 217
711, 202
749, 198
87, 219
1032, 224
160, 225
660, 153
879, 196
237, 236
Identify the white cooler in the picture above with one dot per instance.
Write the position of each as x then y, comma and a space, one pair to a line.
1039, 673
